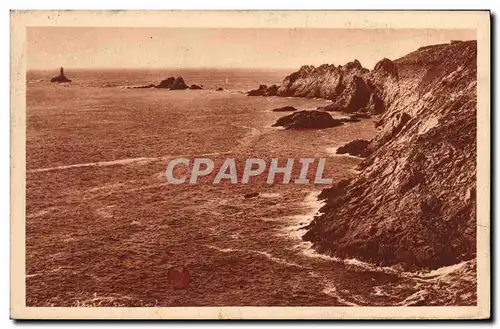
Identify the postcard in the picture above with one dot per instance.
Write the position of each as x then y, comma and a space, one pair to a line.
250, 164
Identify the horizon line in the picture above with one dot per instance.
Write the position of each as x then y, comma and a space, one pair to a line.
164, 68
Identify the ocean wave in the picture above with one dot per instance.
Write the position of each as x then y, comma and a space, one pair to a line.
448, 285
333, 152
95, 164
257, 252
128, 161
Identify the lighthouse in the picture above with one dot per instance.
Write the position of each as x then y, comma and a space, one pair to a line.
61, 77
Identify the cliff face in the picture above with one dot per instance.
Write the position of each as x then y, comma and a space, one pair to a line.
414, 201
325, 81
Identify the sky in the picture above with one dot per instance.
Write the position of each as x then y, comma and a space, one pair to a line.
105, 47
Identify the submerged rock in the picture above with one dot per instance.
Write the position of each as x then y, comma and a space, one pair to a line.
196, 87
285, 109
308, 120
61, 77
143, 87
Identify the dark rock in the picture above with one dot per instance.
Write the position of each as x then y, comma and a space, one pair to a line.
167, 83
179, 84
60, 78
196, 87
360, 115
272, 90
143, 87
285, 109
220, 89
351, 87
413, 202
308, 120
355, 97
386, 66
173, 84
263, 90
251, 195
350, 119
356, 147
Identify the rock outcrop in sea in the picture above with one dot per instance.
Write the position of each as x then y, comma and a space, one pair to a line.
264, 90
285, 109
171, 83
196, 87
61, 77
414, 200
308, 120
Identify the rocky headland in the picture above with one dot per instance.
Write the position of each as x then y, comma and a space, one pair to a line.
414, 200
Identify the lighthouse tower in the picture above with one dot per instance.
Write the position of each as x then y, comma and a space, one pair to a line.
60, 77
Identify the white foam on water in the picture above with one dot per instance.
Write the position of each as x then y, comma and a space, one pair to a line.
263, 253
333, 152
331, 290
96, 164
269, 195
442, 273
414, 298
296, 230
128, 161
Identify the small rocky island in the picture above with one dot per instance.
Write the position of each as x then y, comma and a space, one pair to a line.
264, 90
311, 119
61, 77
171, 83
308, 120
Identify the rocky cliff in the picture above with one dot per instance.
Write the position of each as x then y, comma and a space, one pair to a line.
413, 202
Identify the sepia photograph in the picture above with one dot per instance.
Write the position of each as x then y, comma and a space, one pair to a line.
304, 164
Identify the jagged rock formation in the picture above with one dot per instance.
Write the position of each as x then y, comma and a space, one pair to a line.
414, 202
61, 77
263, 90
351, 87
308, 120
173, 83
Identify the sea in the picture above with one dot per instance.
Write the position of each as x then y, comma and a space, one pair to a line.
103, 228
